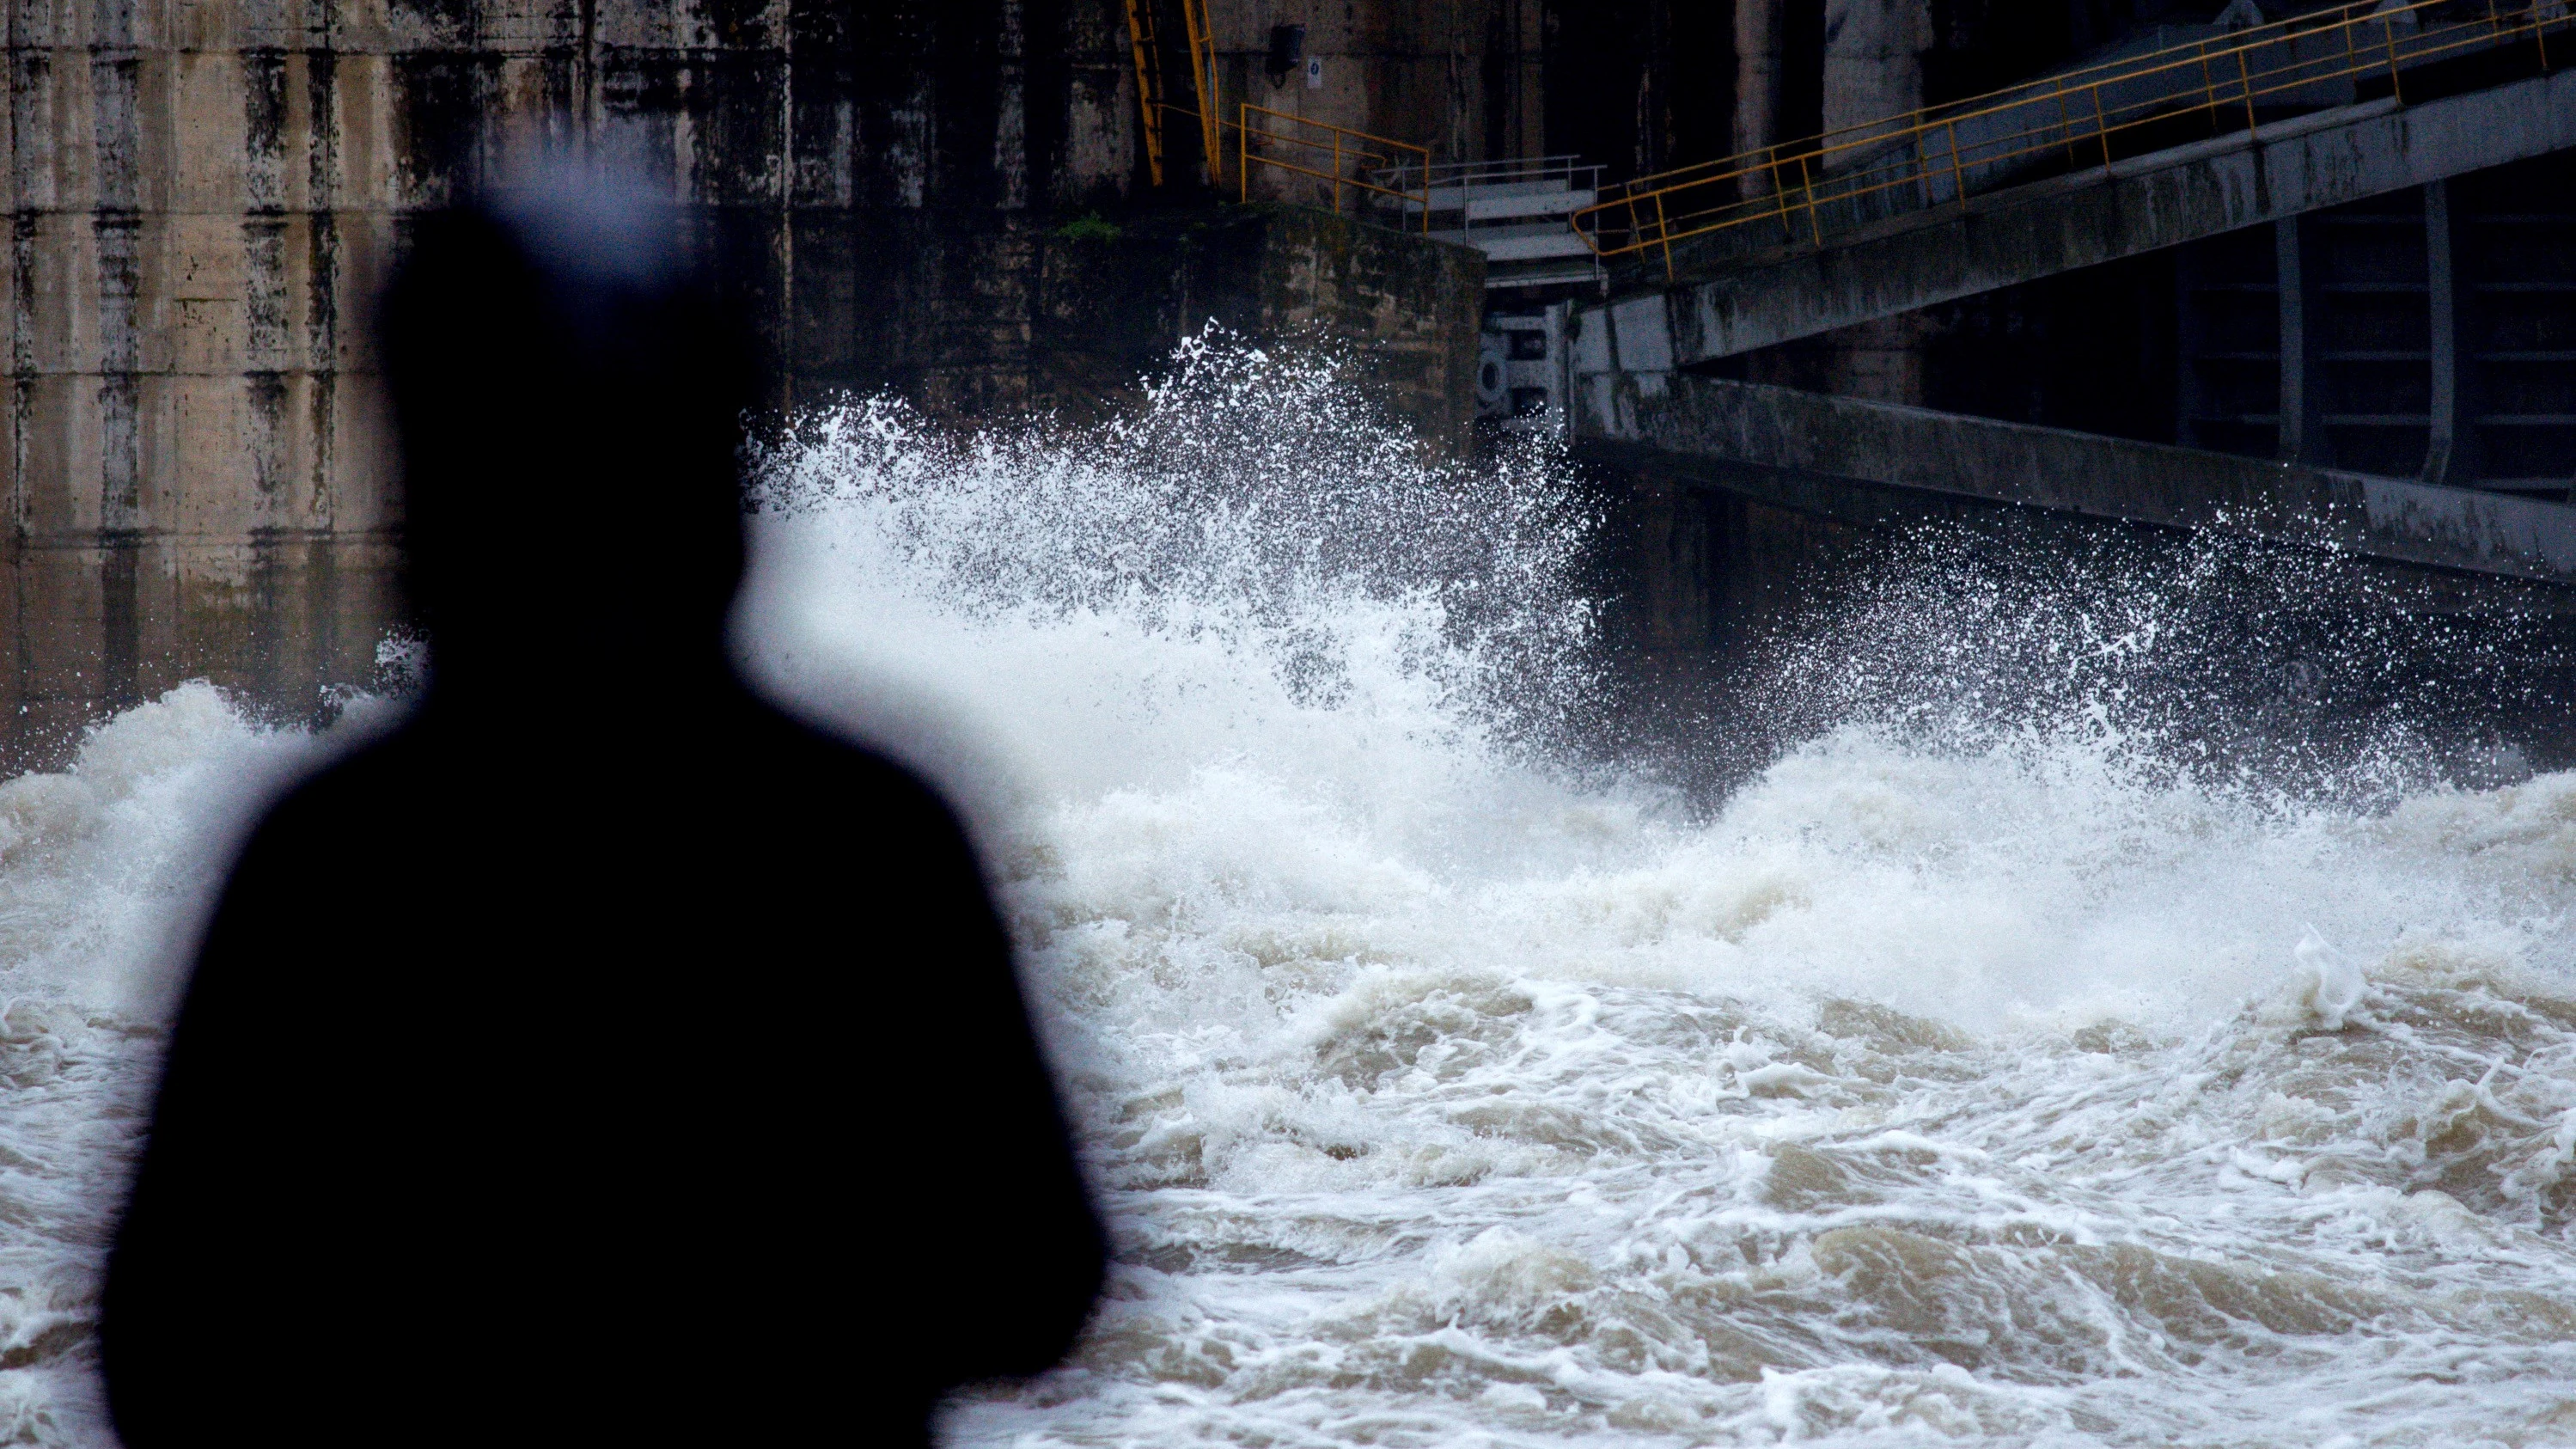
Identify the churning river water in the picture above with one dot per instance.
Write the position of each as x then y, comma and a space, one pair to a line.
2015, 1074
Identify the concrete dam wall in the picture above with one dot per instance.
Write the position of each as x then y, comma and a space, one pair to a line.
205, 195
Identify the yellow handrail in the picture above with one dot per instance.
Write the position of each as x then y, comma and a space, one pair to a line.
1341, 143
1203, 76
1147, 48
1652, 213
1145, 41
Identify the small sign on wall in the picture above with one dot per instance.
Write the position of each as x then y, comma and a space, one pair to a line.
1314, 72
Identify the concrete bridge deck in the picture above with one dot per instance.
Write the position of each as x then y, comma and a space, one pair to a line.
2136, 205
1810, 451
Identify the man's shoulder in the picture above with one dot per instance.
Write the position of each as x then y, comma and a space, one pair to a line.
802, 750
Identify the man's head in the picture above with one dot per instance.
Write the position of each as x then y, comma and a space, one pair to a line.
570, 396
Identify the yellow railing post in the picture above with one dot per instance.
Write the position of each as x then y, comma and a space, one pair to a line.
2021, 127
2388, 31
1203, 76
1788, 233
1664, 232
1807, 178
1349, 150
2208, 88
1142, 39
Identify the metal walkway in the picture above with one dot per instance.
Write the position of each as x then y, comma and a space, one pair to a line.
2146, 204
1826, 455
1515, 211
1810, 191
2343, 382
1869, 223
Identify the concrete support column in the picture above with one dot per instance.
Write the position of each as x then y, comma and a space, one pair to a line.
1873, 70
1757, 81
1874, 59
2302, 439
2442, 460
1881, 361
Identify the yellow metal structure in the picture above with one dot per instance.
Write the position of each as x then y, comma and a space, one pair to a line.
1276, 139
1935, 155
1145, 39
1299, 150
1203, 77
1149, 80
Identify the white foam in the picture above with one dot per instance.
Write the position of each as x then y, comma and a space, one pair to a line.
106, 870
1989, 1083
1966, 1075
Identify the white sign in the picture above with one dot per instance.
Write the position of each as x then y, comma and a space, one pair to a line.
1314, 72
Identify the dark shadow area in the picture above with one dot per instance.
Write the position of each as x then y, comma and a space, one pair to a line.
604, 1056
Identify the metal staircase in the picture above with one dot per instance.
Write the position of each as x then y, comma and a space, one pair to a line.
1514, 211
1149, 47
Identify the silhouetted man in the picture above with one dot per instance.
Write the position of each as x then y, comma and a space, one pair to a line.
603, 1058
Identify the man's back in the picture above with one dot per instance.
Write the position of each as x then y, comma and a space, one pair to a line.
625, 1063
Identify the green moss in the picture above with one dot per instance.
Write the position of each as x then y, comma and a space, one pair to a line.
1090, 226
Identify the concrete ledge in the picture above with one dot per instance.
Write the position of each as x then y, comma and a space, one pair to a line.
1819, 436
2137, 205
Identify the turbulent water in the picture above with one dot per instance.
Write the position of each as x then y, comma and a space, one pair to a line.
2003, 1062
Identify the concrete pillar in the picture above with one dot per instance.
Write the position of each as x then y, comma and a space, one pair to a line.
1874, 70
2442, 460
2301, 437
1757, 82
1874, 59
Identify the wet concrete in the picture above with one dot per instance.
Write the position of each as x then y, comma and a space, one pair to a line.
978, 316
203, 196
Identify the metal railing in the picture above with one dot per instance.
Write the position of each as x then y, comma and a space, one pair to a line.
1202, 38
1453, 186
1467, 176
1941, 154
1339, 148
1144, 39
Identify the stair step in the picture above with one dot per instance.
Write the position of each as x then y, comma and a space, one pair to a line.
1545, 203
1539, 274
1450, 198
1519, 243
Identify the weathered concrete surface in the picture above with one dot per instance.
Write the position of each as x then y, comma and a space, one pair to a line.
1414, 309
1464, 77
1824, 439
203, 196
982, 315
2095, 216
